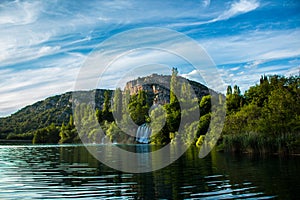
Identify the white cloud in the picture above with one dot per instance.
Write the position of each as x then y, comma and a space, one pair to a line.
247, 76
194, 75
47, 50
18, 45
237, 8
27, 27
293, 71
212, 79
254, 64
19, 12
20, 88
206, 3
234, 69
255, 45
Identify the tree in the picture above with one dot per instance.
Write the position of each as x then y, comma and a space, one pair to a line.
114, 133
174, 86
117, 104
186, 91
268, 119
138, 108
229, 90
48, 134
203, 124
68, 132
233, 101
280, 110
106, 112
205, 105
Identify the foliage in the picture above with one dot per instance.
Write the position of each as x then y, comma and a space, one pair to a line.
174, 86
68, 132
56, 109
265, 118
260, 143
106, 113
200, 141
22, 136
49, 134
233, 100
117, 104
138, 108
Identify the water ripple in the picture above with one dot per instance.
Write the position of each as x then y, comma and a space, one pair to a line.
66, 172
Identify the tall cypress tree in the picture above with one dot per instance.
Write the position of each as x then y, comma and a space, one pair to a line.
117, 104
173, 86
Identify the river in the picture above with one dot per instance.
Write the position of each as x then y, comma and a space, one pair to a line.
70, 171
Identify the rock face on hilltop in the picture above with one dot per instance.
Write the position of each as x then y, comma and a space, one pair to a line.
158, 87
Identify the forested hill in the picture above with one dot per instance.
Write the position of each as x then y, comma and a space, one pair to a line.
55, 109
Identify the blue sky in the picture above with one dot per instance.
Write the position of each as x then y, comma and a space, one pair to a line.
43, 44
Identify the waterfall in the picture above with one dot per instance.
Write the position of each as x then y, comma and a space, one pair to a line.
105, 140
143, 134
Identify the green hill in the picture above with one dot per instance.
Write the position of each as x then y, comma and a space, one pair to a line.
55, 109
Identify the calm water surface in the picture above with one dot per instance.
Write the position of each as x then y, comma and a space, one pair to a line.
69, 171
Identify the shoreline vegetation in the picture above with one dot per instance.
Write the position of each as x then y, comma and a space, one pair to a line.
265, 119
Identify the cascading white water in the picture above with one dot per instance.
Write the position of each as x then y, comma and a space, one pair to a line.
105, 140
143, 134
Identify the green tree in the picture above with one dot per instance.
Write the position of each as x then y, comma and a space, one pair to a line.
68, 132
174, 86
233, 101
280, 110
49, 134
117, 104
114, 133
138, 108
229, 90
203, 124
205, 105
106, 112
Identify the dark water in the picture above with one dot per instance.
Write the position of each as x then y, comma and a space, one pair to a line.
64, 172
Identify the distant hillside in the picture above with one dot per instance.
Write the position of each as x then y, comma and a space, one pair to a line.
57, 109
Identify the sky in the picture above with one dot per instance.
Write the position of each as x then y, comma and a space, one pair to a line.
44, 44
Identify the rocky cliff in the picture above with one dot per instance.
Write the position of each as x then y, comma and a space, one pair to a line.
158, 87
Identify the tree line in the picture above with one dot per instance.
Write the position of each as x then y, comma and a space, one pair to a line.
266, 118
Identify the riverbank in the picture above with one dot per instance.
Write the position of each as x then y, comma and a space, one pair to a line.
4, 141
261, 143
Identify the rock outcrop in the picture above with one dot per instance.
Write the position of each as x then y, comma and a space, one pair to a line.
158, 87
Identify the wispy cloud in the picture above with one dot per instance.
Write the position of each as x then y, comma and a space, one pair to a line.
19, 12
235, 8
194, 75
19, 88
206, 3
248, 73
254, 45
